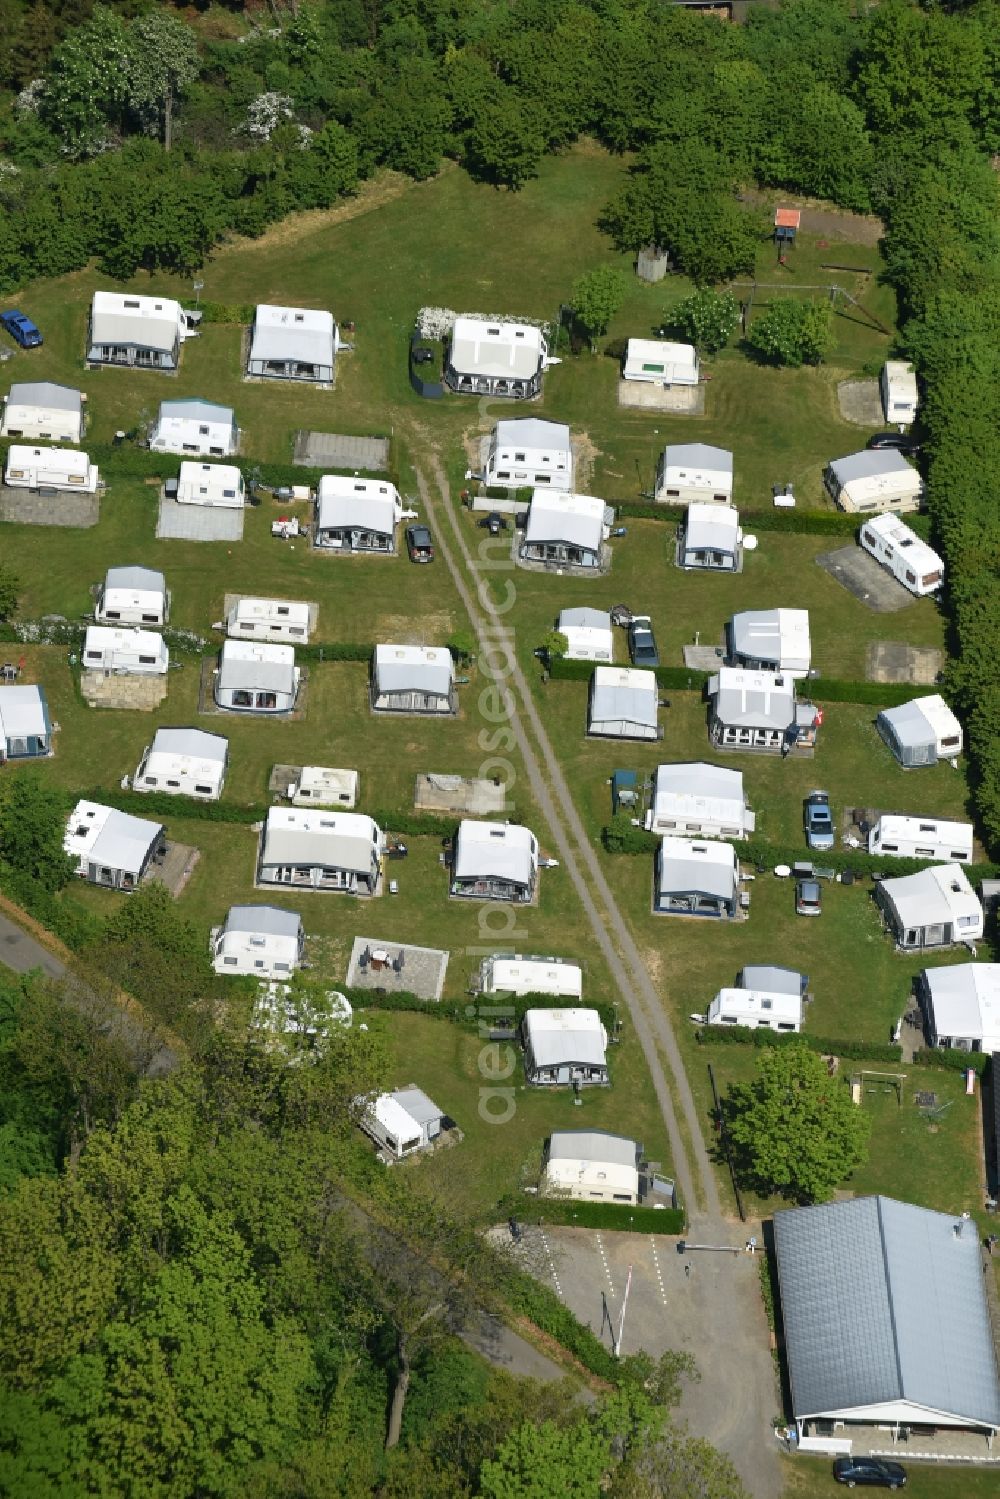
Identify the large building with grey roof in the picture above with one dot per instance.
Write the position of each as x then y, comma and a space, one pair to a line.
885, 1317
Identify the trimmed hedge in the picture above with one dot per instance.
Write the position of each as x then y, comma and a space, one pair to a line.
60, 914
954, 1061
542, 1307
615, 1217
465, 1011
744, 1035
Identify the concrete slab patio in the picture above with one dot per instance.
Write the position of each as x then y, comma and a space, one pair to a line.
862, 576
404, 969
198, 522
895, 661
337, 450
435, 792
80, 511
683, 400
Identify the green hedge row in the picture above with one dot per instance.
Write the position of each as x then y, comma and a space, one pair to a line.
744, 1035
954, 1061
795, 522
541, 1306
60, 914
190, 809
466, 1011
615, 1217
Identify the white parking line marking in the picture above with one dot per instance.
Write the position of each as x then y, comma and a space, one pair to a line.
659, 1272
604, 1258
552, 1263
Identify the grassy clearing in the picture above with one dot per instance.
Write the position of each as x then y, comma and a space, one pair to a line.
812, 1478
455, 1067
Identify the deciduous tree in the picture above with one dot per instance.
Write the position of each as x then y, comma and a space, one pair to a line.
792, 332
596, 297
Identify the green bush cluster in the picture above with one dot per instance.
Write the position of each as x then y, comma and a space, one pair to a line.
242, 313
59, 913
952, 1060
535, 1301
827, 1046
614, 1217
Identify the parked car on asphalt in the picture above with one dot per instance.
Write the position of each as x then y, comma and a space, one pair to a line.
642, 642
818, 820
21, 329
901, 441
419, 544
870, 1472
808, 898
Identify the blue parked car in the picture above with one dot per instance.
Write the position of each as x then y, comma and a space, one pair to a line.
21, 329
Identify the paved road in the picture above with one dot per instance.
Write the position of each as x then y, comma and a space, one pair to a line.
737, 1397
21, 952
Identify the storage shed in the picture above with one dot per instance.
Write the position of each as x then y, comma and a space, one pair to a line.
211, 484
132, 596
292, 343
886, 1321
921, 732
126, 652
254, 677
693, 471
413, 679
278, 620
184, 762
43, 412
873, 480
50, 468
710, 538
192, 425
623, 703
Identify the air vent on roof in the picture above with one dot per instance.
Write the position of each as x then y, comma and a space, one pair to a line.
496, 832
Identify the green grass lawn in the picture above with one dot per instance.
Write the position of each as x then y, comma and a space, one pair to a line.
454, 1067
812, 1478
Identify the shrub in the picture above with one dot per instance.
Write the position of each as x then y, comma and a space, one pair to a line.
615, 1217
828, 1046
953, 1060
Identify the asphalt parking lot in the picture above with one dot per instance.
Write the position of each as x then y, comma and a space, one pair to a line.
702, 1300
866, 579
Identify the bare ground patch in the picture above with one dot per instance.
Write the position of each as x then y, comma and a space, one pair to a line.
401, 629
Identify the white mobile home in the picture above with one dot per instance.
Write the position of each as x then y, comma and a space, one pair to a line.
403, 1122
496, 358
696, 879
566, 531
317, 850
260, 940
588, 632
529, 453
591, 1166
657, 362
110, 847
211, 484
710, 538
961, 1005
623, 703
254, 677
184, 762
564, 1046
921, 838
511, 973
132, 596
292, 343
873, 480
770, 640
756, 1009
921, 732
758, 710
693, 471
43, 412
50, 468
145, 332
935, 908
25, 726
324, 786
269, 619
413, 679
494, 861
356, 515
899, 392
901, 552
195, 426
133, 652
706, 800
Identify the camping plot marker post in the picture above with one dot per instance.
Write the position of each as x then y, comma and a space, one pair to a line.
621, 1320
